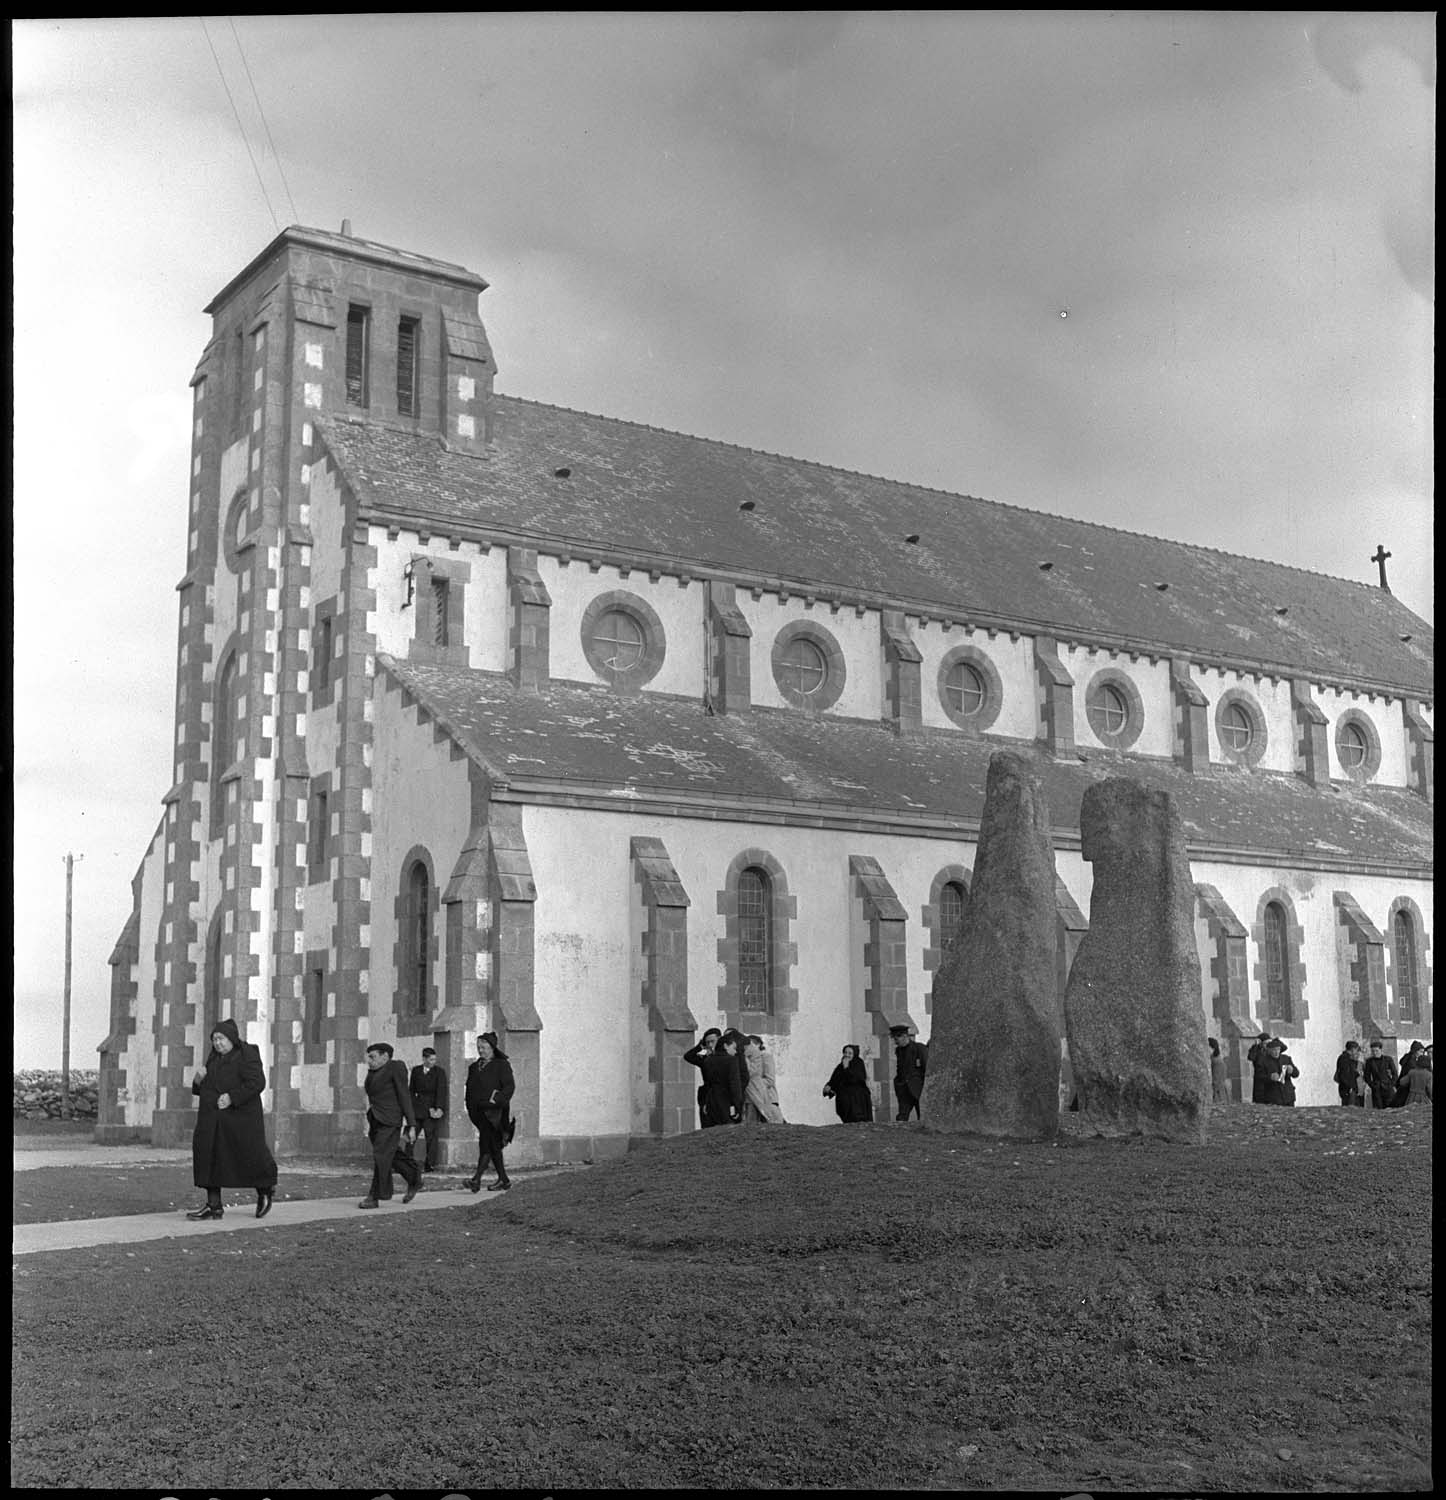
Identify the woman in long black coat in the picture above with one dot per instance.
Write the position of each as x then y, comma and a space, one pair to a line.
848, 1087
490, 1087
229, 1146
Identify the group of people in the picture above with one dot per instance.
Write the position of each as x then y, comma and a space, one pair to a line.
739, 1085
1389, 1086
1357, 1077
229, 1150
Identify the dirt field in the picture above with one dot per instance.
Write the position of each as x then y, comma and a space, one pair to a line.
782, 1307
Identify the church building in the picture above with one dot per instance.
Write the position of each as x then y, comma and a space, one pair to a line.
496, 716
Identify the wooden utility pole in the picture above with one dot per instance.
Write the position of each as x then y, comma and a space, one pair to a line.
70, 860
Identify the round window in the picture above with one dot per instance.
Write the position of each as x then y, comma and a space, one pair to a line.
1352, 746
964, 689
618, 640
1109, 712
1236, 729
802, 667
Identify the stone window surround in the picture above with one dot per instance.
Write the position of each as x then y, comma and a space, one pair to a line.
314, 1051
989, 677
655, 639
221, 757
1134, 707
411, 1020
423, 645
835, 669
232, 535
323, 673
1292, 1025
778, 1020
1369, 767
1420, 1028
934, 948
318, 868
1259, 733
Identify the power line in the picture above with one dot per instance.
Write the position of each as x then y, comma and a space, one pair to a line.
244, 141
295, 217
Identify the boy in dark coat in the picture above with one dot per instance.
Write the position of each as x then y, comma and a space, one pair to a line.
1349, 1084
390, 1120
229, 1146
910, 1061
695, 1055
429, 1099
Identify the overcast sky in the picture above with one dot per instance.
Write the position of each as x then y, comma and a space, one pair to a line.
1170, 272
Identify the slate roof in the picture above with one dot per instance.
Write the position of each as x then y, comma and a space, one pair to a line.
676, 500
598, 741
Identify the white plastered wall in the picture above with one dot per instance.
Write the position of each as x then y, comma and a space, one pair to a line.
1012, 659
574, 586
1271, 695
139, 1060
484, 597
1386, 719
857, 636
420, 796
1151, 680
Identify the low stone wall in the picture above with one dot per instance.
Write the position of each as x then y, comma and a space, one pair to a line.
37, 1094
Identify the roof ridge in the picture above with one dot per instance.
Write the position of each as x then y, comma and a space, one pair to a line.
929, 489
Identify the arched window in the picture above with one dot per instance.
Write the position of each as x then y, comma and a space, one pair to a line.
953, 901
223, 738
1277, 962
1408, 983
755, 940
416, 944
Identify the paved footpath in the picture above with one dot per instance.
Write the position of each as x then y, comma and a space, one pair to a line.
132, 1229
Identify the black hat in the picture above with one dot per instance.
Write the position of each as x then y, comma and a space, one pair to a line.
903, 1030
429, 1051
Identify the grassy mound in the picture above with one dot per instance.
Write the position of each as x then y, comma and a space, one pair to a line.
783, 1307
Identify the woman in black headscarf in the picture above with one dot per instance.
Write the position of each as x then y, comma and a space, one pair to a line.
229, 1147
848, 1087
490, 1086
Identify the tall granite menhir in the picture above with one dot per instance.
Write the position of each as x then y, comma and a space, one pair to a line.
1132, 1004
994, 1051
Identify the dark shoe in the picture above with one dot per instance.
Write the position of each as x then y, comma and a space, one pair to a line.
411, 1192
474, 1184
429, 1168
263, 1201
207, 1211
368, 1203
500, 1186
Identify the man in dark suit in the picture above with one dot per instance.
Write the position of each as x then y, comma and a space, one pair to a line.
429, 1099
390, 1120
1380, 1075
910, 1060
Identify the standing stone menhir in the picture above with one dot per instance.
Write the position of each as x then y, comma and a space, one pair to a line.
994, 1050
1132, 1004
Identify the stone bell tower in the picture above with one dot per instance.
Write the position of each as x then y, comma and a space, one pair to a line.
318, 326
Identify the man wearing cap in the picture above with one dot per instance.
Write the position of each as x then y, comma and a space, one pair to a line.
1349, 1084
429, 1098
910, 1060
1380, 1074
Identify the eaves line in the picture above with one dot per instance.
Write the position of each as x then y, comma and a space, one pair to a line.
553, 543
